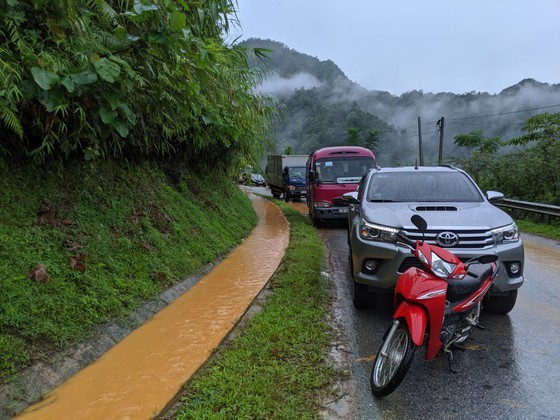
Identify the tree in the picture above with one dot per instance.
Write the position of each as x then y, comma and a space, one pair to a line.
372, 140
353, 136
481, 154
92, 79
542, 128
539, 160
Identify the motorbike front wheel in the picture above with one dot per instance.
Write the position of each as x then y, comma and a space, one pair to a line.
391, 365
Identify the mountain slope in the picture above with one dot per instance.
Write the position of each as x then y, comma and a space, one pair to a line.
319, 104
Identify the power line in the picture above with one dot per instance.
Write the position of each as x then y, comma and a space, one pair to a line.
401, 129
503, 113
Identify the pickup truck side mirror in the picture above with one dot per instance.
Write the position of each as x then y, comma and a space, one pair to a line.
495, 196
351, 197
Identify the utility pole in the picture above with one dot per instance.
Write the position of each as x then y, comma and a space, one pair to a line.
440, 124
420, 153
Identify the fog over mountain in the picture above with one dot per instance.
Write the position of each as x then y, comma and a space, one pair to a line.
319, 104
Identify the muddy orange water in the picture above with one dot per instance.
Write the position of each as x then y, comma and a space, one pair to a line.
141, 374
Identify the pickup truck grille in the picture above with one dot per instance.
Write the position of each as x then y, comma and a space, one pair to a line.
468, 238
337, 202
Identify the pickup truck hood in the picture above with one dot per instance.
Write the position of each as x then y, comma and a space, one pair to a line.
481, 215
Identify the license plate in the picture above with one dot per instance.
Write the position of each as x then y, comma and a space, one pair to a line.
343, 210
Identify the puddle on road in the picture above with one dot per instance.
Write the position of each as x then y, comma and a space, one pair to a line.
141, 374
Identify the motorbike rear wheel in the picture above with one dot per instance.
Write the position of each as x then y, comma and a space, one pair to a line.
391, 367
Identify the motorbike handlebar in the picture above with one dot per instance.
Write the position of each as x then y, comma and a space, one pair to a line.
410, 242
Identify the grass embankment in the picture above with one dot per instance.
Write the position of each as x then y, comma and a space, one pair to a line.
545, 230
276, 367
110, 237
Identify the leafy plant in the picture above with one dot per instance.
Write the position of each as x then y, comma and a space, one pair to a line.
530, 172
97, 79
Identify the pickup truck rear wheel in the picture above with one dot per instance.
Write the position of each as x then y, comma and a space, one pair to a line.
501, 304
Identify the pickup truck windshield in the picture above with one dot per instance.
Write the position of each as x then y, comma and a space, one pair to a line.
422, 187
342, 170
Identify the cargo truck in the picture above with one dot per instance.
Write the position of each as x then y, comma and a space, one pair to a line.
286, 175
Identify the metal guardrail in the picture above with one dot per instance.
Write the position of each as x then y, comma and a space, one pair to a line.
544, 209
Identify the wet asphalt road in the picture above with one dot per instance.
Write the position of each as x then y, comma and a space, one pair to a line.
511, 370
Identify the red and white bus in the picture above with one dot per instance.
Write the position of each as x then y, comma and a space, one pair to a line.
331, 172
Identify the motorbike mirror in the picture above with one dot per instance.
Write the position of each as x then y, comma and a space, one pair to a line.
419, 222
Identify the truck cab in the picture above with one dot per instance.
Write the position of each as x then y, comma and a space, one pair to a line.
332, 172
294, 182
286, 175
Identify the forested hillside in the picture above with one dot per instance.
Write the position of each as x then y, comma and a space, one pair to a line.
321, 107
123, 125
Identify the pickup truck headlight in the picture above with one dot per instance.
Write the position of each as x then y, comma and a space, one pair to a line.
372, 232
505, 234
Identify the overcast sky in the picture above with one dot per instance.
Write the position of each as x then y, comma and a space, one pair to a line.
430, 45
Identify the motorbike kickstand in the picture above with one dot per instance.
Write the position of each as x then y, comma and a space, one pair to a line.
450, 360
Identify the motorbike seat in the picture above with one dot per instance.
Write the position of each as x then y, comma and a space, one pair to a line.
458, 290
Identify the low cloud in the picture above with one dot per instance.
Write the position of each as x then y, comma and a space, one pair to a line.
276, 85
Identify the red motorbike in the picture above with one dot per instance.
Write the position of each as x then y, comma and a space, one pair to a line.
441, 302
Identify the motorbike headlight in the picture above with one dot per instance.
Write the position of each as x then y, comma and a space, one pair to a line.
442, 268
423, 259
373, 232
505, 234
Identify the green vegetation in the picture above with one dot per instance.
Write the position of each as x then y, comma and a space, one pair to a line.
123, 123
110, 236
276, 368
540, 229
531, 172
310, 120
322, 107
92, 79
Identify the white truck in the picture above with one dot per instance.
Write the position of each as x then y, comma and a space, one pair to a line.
286, 175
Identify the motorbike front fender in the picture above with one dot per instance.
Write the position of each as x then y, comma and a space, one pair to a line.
416, 320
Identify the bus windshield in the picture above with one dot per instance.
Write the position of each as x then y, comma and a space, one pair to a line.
342, 170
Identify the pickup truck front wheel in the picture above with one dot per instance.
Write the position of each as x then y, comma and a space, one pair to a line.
500, 304
360, 295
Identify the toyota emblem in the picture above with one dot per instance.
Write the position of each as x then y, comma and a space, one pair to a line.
447, 239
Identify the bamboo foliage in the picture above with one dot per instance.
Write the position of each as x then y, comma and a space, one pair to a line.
94, 78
